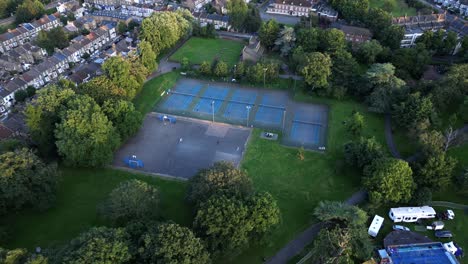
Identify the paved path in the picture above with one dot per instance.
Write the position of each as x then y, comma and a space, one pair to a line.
296, 246
389, 137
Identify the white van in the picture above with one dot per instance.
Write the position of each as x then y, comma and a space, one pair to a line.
411, 214
375, 226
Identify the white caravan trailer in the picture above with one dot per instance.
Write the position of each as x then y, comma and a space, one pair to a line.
375, 226
411, 214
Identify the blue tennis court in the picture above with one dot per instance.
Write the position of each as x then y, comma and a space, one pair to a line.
204, 106
305, 133
187, 86
309, 116
215, 92
269, 115
244, 96
274, 99
237, 110
177, 102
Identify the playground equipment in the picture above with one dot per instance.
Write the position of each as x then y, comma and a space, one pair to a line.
165, 118
133, 162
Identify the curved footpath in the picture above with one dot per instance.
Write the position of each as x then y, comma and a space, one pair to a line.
296, 246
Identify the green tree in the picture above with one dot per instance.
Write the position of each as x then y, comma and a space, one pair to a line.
268, 33
205, 68
383, 86
332, 246
237, 10
26, 181
253, 21
461, 181
344, 70
411, 62
450, 42
121, 28
85, 136
185, 64
363, 152
388, 180
101, 89
463, 110
256, 73
223, 223
21, 95
14, 256
308, 38
222, 178
451, 94
317, 70
29, 10
355, 123
119, 71
147, 55
163, 29
340, 212
415, 109
422, 196
392, 36
221, 69
264, 213
239, 70
31, 91
43, 114
285, 41
51, 39
123, 116
431, 142
435, 171
332, 40
132, 199
171, 243
99, 245
367, 52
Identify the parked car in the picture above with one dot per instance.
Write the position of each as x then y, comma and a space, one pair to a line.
446, 215
443, 234
437, 225
400, 227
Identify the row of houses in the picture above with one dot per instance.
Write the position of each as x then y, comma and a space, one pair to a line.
303, 8
460, 6
52, 67
27, 31
219, 21
117, 3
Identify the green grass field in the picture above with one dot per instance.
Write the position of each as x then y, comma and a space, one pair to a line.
197, 50
299, 185
80, 191
398, 7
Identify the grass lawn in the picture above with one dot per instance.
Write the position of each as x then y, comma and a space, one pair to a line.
399, 7
152, 89
80, 191
197, 50
299, 185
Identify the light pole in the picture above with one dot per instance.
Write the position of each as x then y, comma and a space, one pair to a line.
284, 119
248, 113
212, 108
264, 72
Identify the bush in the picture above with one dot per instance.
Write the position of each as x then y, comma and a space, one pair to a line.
31, 91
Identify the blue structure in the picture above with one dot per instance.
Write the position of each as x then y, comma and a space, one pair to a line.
133, 162
171, 119
427, 253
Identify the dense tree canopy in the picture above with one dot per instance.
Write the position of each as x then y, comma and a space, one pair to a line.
54, 38
26, 181
101, 89
43, 114
123, 115
131, 200
413, 110
163, 29
367, 52
308, 39
411, 62
85, 136
171, 243
435, 171
29, 10
340, 212
120, 72
222, 178
286, 40
388, 180
100, 245
147, 55
317, 70
237, 10
363, 152
268, 33
450, 93
332, 40
220, 69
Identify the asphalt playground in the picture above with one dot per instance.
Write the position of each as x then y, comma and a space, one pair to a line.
182, 148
